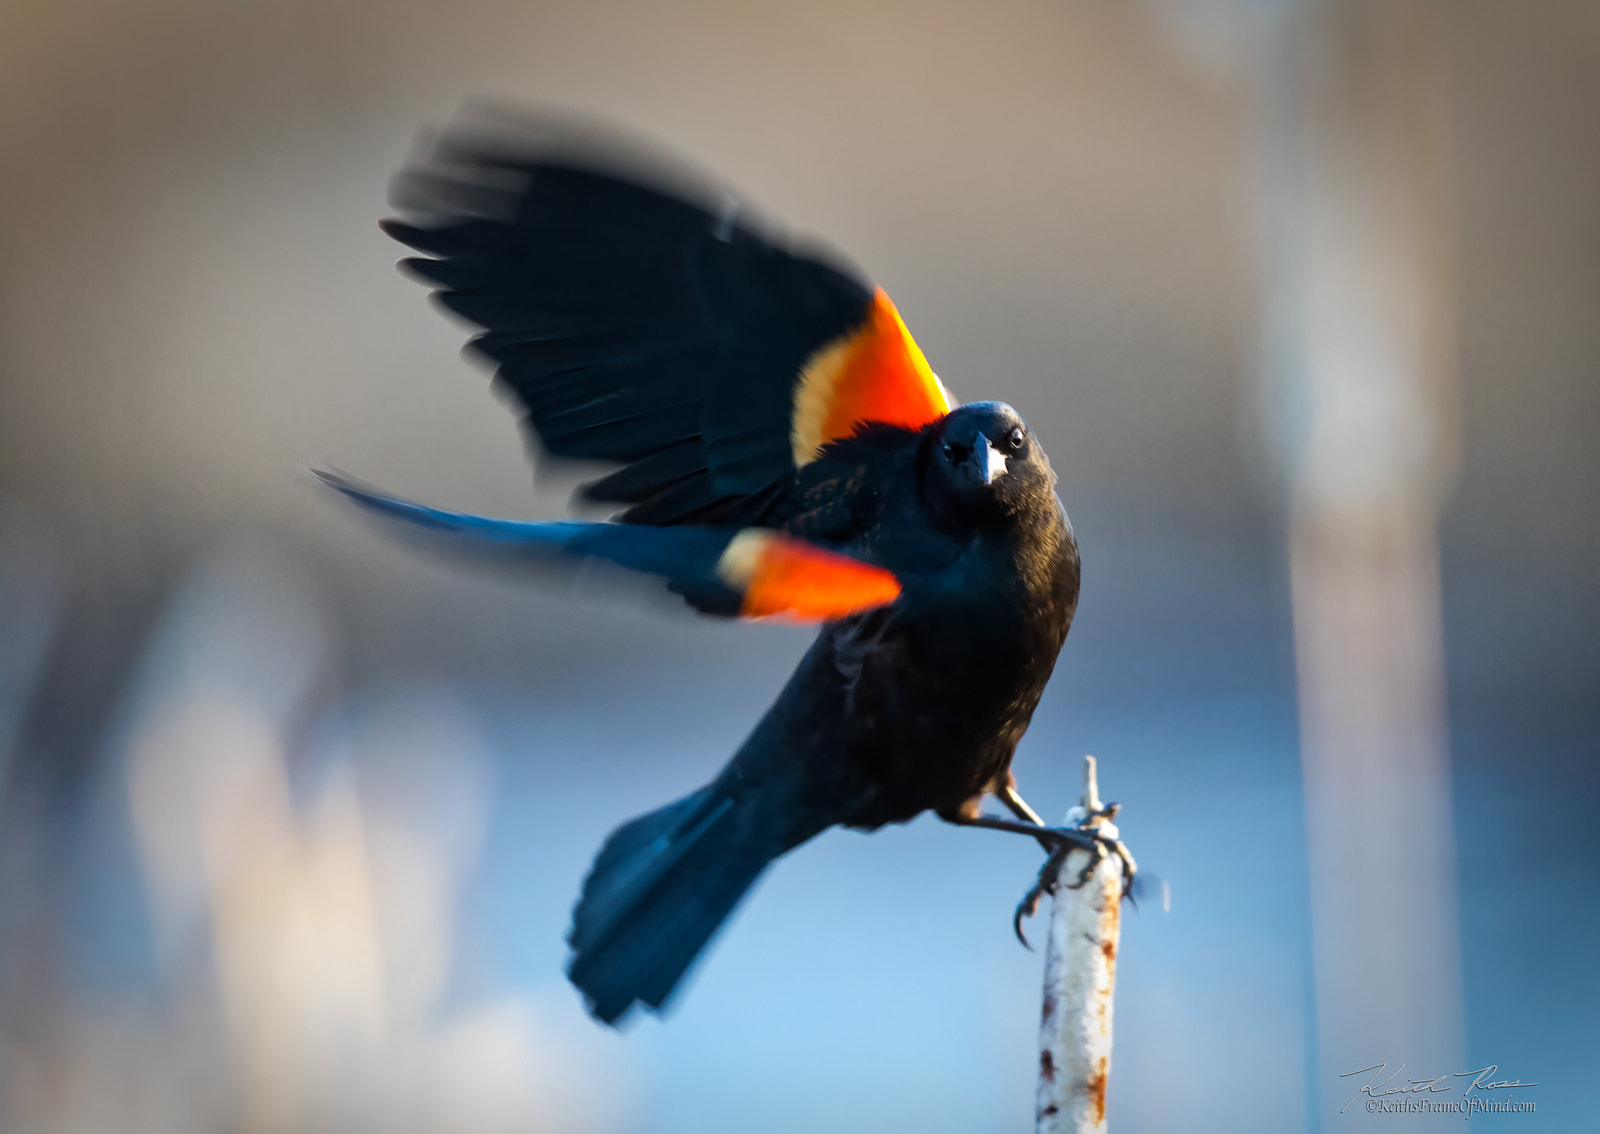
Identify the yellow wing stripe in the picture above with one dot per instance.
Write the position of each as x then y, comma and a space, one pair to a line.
873, 373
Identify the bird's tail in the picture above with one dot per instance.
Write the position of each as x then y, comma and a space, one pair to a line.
659, 889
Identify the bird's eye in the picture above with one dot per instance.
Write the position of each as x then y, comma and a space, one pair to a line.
1014, 439
949, 451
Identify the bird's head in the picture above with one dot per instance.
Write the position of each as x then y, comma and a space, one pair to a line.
985, 465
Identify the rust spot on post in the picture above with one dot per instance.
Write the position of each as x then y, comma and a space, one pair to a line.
1047, 1067
1097, 1094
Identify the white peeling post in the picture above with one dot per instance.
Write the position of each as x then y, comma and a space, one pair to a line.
1080, 972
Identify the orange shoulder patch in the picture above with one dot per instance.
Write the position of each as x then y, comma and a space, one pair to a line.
873, 373
785, 577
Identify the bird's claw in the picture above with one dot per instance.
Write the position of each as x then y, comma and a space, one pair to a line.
1082, 837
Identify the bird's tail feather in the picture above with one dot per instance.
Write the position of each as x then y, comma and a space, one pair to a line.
659, 889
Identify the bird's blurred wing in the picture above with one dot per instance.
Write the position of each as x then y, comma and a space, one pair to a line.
732, 572
639, 317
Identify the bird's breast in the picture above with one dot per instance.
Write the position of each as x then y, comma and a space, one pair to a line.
934, 692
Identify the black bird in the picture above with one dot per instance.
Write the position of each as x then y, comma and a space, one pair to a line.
786, 451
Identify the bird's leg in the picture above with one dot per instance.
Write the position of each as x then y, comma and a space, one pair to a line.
995, 823
1056, 840
1007, 794
1082, 834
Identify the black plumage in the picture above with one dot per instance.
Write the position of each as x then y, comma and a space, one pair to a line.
643, 324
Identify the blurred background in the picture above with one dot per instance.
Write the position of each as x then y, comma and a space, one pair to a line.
1303, 300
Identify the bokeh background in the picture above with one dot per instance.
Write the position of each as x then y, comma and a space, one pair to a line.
1304, 301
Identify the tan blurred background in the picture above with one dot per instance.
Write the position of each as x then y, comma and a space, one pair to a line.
1303, 298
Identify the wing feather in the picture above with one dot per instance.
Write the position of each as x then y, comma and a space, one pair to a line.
640, 319
732, 572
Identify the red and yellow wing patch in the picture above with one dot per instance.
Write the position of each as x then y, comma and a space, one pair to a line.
873, 373
790, 578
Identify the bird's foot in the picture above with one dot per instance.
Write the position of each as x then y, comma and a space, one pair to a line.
1087, 835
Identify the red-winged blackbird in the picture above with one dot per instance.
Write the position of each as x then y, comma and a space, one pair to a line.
786, 451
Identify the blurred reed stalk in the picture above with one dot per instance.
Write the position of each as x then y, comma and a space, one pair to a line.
1355, 190
1080, 976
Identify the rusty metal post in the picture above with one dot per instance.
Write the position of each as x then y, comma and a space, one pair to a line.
1080, 972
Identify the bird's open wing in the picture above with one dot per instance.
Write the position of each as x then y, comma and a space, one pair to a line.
652, 326
733, 572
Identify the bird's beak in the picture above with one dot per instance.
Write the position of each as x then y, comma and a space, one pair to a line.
991, 462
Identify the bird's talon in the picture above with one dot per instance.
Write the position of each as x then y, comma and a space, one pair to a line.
1025, 909
1049, 877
